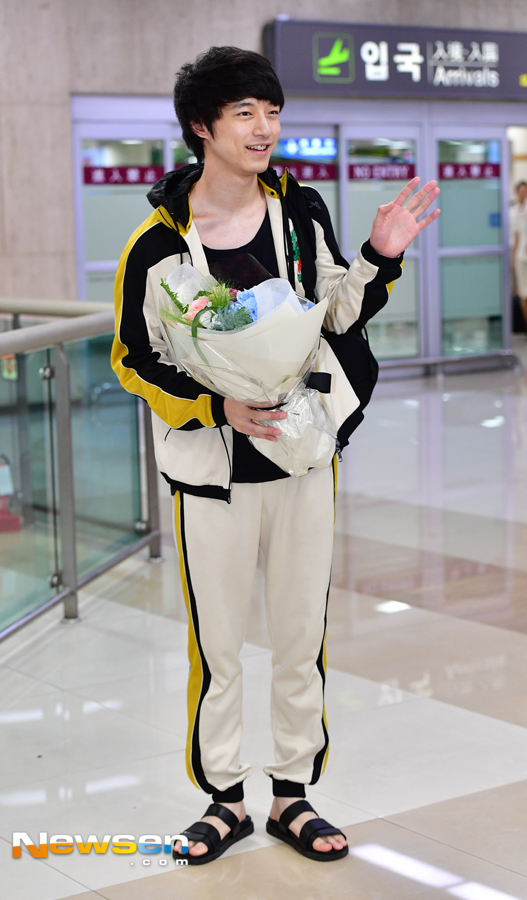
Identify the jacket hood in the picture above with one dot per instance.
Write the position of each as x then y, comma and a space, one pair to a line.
172, 190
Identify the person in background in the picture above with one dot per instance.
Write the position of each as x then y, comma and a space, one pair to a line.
518, 232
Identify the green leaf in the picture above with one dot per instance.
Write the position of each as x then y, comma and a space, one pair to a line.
194, 330
169, 316
173, 297
197, 317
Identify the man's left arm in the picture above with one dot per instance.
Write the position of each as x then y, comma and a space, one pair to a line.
357, 292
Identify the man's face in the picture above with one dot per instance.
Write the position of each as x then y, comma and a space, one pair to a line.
521, 192
244, 136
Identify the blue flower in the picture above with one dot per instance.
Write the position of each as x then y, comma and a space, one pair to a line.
248, 301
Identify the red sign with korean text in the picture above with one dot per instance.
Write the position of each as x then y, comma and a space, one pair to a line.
453, 171
381, 171
122, 174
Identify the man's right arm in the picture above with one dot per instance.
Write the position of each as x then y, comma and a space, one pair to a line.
139, 353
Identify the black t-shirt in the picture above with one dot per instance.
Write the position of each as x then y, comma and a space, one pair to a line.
248, 464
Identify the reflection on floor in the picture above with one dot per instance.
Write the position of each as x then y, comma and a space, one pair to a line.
426, 700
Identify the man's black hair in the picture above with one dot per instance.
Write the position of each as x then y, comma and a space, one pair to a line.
220, 76
520, 184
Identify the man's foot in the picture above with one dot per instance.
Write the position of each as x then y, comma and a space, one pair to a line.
198, 848
325, 844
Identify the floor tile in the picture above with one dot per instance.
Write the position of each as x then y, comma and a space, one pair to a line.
97, 656
16, 685
474, 666
478, 538
38, 628
89, 895
351, 614
149, 796
96, 608
442, 451
491, 824
29, 879
406, 755
158, 698
447, 584
153, 587
44, 732
280, 872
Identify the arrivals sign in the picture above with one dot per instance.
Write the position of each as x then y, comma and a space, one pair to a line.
397, 61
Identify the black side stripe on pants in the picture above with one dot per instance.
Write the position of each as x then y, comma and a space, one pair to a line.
195, 753
318, 762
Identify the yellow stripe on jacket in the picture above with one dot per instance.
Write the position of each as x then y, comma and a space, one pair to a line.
175, 411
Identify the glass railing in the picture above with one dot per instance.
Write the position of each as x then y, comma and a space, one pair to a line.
28, 498
106, 468
76, 486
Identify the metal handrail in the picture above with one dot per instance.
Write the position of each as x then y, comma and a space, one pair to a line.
62, 308
39, 337
86, 323
404, 363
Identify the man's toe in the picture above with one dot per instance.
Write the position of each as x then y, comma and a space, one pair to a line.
337, 841
198, 849
322, 845
331, 842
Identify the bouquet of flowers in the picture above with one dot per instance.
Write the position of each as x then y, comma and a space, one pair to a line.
257, 345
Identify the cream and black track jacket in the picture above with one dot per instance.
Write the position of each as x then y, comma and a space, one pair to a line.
193, 442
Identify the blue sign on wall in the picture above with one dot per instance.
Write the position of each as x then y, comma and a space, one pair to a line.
307, 148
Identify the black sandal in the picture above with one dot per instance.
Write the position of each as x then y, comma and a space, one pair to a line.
204, 831
311, 830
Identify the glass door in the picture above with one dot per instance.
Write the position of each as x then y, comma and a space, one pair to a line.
310, 154
377, 164
115, 175
116, 165
472, 248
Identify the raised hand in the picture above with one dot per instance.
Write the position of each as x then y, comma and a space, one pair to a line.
395, 225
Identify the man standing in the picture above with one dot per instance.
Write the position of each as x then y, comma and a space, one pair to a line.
231, 502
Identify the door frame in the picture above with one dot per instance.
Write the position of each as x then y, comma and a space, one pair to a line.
393, 131
458, 132
114, 118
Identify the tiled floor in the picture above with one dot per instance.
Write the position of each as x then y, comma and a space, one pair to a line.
426, 699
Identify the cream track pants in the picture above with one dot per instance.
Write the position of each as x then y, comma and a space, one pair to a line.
291, 521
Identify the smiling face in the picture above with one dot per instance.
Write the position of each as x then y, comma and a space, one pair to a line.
243, 137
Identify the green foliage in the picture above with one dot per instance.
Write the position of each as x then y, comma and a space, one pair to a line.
169, 316
228, 318
231, 318
195, 321
173, 297
220, 296
227, 315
